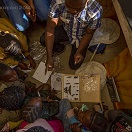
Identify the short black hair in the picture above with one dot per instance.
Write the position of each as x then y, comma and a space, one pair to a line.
11, 98
3, 69
98, 122
37, 129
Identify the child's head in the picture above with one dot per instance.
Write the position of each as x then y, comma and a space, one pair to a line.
7, 74
11, 98
93, 120
10, 43
37, 129
75, 6
32, 109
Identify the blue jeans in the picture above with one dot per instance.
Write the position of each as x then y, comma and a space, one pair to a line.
18, 16
64, 106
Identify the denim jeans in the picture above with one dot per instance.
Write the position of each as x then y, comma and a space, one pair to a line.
18, 15
64, 106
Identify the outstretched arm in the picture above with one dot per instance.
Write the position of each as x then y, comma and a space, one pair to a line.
83, 44
49, 41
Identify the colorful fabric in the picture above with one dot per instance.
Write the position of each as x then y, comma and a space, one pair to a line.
76, 25
73, 120
55, 124
39, 122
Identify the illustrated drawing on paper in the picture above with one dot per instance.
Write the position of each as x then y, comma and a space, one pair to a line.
71, 87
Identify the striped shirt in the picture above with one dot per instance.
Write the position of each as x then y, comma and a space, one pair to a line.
76, 25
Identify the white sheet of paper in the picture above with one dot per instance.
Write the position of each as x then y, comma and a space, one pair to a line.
39, 74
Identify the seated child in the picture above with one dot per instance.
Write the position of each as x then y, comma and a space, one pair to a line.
11, 100
13, 47
43, 102
46, 106
87, 121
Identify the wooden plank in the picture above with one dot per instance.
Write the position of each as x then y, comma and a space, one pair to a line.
124, 25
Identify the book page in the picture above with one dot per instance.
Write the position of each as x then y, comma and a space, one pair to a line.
39, 74
70, 87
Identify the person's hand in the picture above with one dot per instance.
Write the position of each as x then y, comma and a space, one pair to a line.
32, 62
78, 58
32, 13
70, 113
98, 107
23, 66
75, 128
27, 9
49, 65
14, 48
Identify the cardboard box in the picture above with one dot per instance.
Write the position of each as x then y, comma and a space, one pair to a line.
78, 88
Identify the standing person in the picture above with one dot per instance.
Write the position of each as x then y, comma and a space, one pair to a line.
80, 20
13, 47
20, 11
